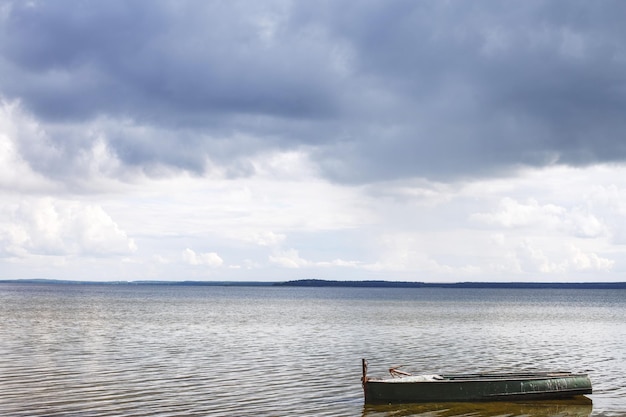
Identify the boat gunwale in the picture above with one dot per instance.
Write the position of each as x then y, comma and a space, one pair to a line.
447, 378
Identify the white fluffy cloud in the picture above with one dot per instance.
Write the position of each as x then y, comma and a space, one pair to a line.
210, 259
47, 226
513, 214
290, 258
558, 260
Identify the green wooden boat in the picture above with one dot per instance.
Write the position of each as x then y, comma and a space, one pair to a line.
404, 387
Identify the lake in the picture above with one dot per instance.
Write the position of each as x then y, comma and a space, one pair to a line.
142, 350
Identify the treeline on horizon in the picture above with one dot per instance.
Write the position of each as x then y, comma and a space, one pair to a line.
345, 284
406, 284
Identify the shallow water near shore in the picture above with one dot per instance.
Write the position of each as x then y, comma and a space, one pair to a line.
109, 350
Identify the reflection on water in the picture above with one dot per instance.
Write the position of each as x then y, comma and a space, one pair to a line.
577, 407
223, 351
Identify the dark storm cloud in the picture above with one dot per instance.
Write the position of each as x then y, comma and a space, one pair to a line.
378, 90
78, 59
482, 86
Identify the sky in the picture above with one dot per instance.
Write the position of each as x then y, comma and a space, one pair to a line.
436, 141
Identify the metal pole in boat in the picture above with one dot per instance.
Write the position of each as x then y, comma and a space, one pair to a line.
364, 366
364, 377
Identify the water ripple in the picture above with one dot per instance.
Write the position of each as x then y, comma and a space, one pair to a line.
157, 351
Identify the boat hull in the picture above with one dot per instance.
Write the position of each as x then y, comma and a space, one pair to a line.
501, 387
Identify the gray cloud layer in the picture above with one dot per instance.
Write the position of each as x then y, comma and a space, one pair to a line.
374, 89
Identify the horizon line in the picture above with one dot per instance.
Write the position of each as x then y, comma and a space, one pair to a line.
337, 283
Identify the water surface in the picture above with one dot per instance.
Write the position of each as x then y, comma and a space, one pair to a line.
106, 350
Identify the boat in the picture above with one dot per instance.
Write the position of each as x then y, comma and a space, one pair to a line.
403, 387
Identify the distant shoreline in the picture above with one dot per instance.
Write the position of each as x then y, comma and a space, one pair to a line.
405, 284
318, 283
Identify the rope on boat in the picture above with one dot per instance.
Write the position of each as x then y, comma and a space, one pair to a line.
396, 373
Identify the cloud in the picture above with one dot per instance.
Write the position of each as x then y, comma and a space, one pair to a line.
404, 140
266, 238
291, 258
15, 172
513, 214
33, 163
590, 261
372, 90
532, 259
210, 259
51, 227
